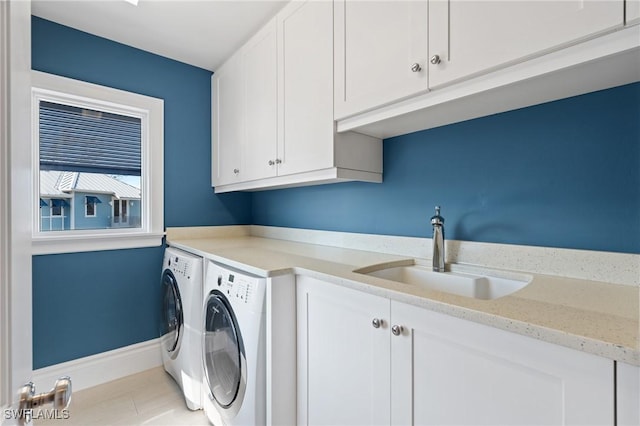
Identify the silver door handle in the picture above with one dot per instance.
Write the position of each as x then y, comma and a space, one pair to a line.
396, 330
60, 396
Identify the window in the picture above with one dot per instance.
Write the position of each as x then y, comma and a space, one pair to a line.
90, 206
99, 150
56, 209
54, 214
121, 213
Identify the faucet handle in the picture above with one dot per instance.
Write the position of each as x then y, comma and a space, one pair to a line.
437, 219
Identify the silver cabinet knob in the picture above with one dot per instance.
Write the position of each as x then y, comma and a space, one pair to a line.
278, 161
236, 171
435, 59
416, 67
396, 330
271, 162
376, 322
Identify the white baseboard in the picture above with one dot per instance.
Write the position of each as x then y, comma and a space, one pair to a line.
101, 368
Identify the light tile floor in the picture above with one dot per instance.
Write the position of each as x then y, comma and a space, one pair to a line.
151, 397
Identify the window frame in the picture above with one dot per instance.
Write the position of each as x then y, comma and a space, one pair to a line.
86, 207
54, 88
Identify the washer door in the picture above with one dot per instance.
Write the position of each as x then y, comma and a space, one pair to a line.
225, 364
172, 325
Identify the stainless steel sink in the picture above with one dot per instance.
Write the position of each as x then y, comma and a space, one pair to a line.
466, 281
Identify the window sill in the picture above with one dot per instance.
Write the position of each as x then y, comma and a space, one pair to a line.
82, 242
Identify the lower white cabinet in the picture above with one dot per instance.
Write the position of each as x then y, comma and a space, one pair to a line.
365, 359
452, 371
627, 394
343, 361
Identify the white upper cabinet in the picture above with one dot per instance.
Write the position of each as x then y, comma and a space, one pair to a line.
259, 69
227, 130
469, 37
474, 58
305, 43
380, 53
281, 114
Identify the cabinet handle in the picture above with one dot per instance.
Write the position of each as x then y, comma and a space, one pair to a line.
271, 162
435, 59
376, 322
416, 67
396, 330
278, 161
236, 171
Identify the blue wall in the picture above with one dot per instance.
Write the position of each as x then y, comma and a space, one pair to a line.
87, 303
561, 174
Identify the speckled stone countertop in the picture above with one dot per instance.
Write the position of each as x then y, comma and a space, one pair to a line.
594, 317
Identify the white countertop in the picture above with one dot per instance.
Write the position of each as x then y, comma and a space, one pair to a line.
590, 316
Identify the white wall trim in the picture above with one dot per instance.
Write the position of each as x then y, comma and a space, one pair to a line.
15, 180
103, 367
4, 202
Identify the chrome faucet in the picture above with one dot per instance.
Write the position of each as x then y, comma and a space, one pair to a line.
437, 222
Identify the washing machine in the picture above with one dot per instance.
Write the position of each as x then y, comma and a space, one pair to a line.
181, 326
233, 347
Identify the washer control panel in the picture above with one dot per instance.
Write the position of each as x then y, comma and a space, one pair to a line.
239, 287
182, 264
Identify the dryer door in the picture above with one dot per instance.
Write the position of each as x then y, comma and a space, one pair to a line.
225, 364
172, 325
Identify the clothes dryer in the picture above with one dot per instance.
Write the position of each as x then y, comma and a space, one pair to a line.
233, 349
181, 326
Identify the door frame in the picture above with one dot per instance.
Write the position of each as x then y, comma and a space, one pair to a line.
15, 199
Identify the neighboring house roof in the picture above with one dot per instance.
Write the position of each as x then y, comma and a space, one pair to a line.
61, 184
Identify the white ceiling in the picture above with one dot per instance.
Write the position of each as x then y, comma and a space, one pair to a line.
203, 33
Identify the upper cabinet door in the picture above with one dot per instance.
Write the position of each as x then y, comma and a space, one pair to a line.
259, 70
227, 123
469, 37
380, 53
305, 85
